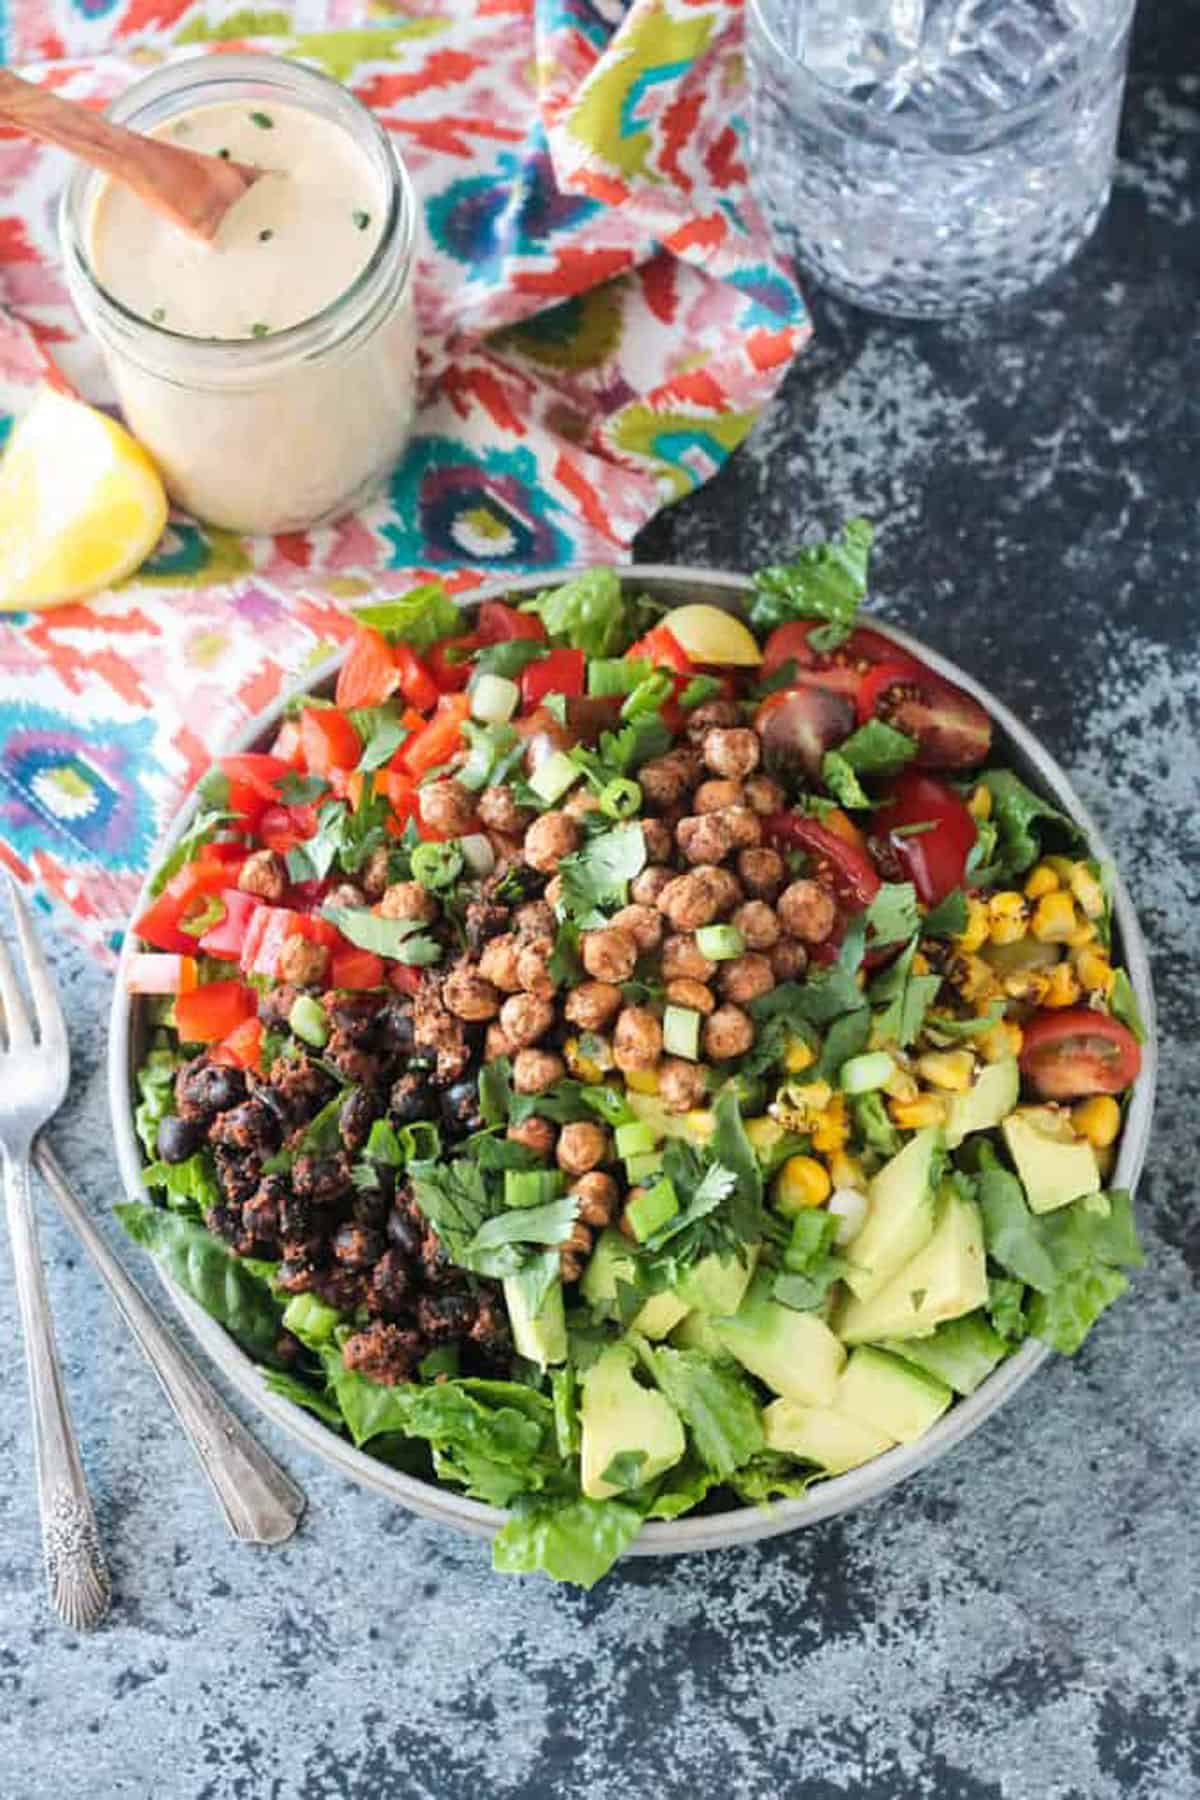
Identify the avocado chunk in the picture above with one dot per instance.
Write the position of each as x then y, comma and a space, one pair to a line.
986, 1102
945, 1279
962, 1352
888, 1395
612, 1261
541, 1336
621, 1418
794, 1353
1055, 1166
818, 1434
718, 1287
697, 1332
899, 1219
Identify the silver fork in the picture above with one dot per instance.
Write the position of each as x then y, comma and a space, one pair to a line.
33, 1085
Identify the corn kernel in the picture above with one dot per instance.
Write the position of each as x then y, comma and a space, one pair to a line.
1042, 880
1028, 984
802, 1182
973, 978
1054, 919
847, 1171
1062, 988
920, 963
915, 1115
979, 805
1087, 891
1084, 933
1007, 904
642, 1081
764, 1133
798, 1056
699, 1123
583, 1068
831, 1130
952, 1070
975, 933
1098, 1120
1008, 931
900, 1085
1063, 867
1094, 971
1004, 1039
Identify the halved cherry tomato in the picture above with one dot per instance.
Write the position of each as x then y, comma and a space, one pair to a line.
438, 740
253, 782
662, 648
287, 746
497, 623
281, 828
213, 1011
840, 670
1069, 1054
184, 897
354, 968
559, 672
799, 724
416, 682
242, 1049
224, 940
449, 661
846, 869
156, 973
935, 860
329, 739
370, 674
951, 728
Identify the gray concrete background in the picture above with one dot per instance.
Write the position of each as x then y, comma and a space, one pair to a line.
1016, 1624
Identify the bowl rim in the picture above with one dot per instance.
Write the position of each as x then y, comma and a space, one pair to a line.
835, 1495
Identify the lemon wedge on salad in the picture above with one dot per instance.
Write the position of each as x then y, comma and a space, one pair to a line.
81, 504
708, 635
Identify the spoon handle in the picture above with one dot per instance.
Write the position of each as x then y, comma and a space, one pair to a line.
195, 191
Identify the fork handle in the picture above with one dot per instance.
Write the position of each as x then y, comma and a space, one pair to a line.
75, 1569
261, 1504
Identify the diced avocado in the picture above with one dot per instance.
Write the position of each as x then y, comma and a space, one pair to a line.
945, 1279
643, 1167
651, 1110
986, 1102
696, 1332
542, 1336
899, 1219
1054, 1165
962, 1351
889, 1395
1026, 953
635, 1138
618, 1417
817, 1434
681, 1032
717, 1287
794, 1353
659, 1316
612, 1261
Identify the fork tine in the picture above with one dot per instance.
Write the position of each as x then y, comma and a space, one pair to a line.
37, 973
12, 1005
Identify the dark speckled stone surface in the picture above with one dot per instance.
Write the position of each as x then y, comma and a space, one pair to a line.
1020, 1622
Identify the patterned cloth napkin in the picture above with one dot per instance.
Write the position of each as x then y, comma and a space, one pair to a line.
601, 316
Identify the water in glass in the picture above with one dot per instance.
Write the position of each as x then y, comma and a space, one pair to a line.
921, 156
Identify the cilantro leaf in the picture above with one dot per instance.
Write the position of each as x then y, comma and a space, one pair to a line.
877, 748
295, 789
453, 1198
902, 998
595, 880
842, 782
382, 735
892, 916
401, 940
948, 918
418, 618
715, 1403
823, 581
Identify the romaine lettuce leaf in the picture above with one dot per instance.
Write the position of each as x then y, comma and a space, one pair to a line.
574, 1539
201, 1265
1016, 813
156, 1091
191, 1186
714, 1402
823, 581
418, 618
588, 612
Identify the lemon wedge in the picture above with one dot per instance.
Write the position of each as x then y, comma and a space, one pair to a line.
81, 504
709, 635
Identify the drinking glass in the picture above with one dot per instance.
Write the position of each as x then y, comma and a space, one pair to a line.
924, 156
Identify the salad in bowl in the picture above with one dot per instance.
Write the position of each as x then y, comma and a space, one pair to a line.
616, 1062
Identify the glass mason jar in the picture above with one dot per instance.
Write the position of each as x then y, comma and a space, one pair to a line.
281, 432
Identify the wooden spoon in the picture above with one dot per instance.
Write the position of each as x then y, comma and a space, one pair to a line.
195, 191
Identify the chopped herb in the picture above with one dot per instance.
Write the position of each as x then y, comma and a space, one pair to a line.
265, 235
224, 154
259, 330
361, 219
158, 315
263, 120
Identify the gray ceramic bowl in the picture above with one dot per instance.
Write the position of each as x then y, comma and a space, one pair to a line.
742, 1525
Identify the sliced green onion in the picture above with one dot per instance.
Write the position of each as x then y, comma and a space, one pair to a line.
635, 1139
620, 798
551, 779
436, 865
641, 1167
494, 699
647, 696
720, 943
309, 1021
650, 1211
310, 1319
681, 1032
864, 1074
532, 1187
210, 914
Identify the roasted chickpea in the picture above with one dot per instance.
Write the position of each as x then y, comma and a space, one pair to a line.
447, 807
725, 888
581, 801
582, 1146
660, 844
693, 900
549, 839
535, 1134
788, 959
303, 964
711, 713
498, 962
574, 1251
758, 925
666, 780
264, 874
345, 896
643, 923
536, 1070
609, 954
715, 796
506, 849
681, 1085
683, 960
705, 837
728, 1032
468, 995
732, 751
499, 811
764, 795
762, 871
409, 900
554, 890
807, 911
374, 873
744, 978
533, 967
592, 1005
645, 888
524, 1018
535, 919
692, 994
637, 1040
598, 1196
496, 1043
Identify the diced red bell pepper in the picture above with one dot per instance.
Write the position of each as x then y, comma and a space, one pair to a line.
329, 739
370, 674
400, 792
269, 931
416, 682
449, 661
663, 649
558, 672
242, 1049
498, 623
155, 973
225, 939
403, 978
355, 968
438, 740
253, 782
212, 1012
184, 897
287, 746
281, 828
